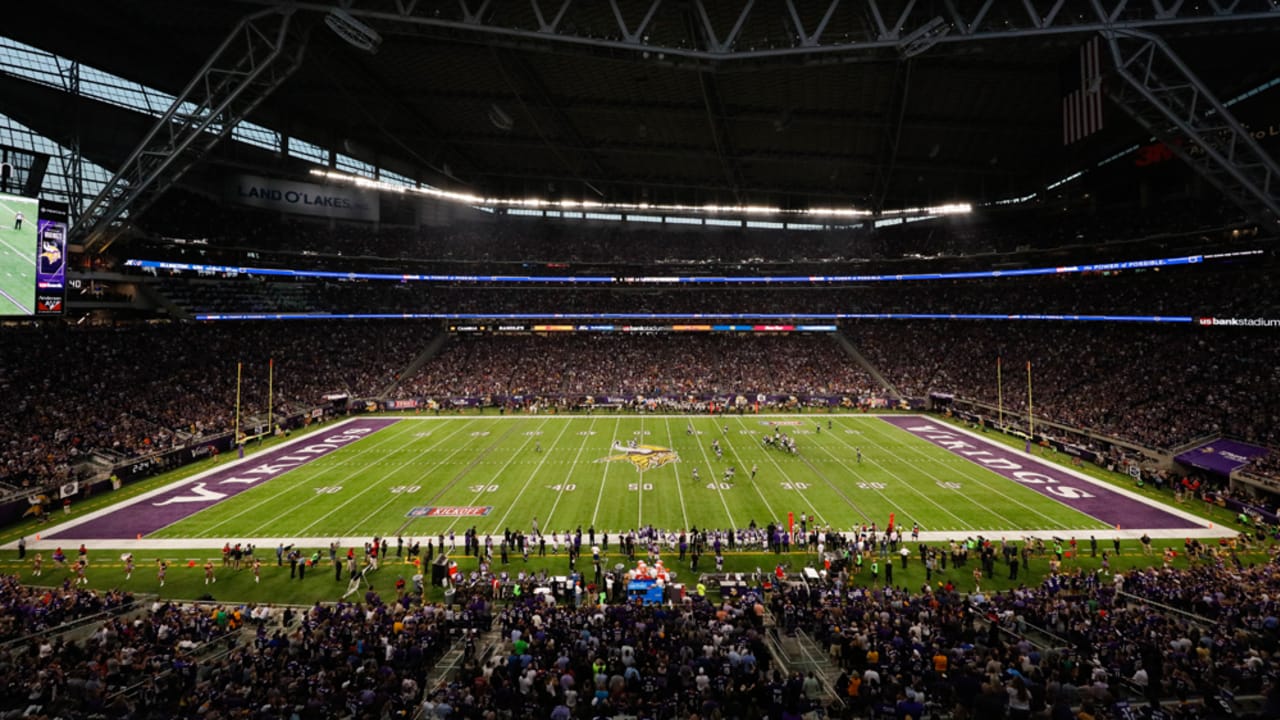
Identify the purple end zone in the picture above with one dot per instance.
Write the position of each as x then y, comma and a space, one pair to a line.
1095, 500
154, 512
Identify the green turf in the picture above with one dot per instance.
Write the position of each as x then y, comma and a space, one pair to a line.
452, 446
370, 487
106, 571
17, 257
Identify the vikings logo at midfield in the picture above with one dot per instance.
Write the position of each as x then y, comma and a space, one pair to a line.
644, 457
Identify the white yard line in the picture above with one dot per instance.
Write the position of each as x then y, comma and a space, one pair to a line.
527, 439
755, 486
770, 454
595, 514
640, 486
17, 303
28, 256
671, 442
586, 438
421, 477
376, 484
30, 260
285, 485
715, 482
906, 485
529, 480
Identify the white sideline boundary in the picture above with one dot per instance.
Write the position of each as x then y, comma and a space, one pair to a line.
1207, 529
1119, 490
113, 508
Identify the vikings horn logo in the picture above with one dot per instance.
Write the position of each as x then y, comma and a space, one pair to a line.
644, 457
50, 257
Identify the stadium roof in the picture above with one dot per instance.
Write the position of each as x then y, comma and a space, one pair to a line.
514, 115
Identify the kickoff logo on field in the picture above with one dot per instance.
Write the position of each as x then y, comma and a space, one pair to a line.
450, 511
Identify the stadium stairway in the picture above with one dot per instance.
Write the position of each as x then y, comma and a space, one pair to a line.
487, 643
79, 629
799, 652
432, 349
865, 364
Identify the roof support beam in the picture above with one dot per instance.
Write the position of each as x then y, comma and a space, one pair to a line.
886, 33
720, 134
885, 30
1162, 94
964, 25
634, 36
708, 28
544, 25
473, 17
892, 134
526, 76
808, 39
255, 59
72, 159
714, 110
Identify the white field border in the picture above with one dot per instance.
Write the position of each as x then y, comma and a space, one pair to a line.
113, 508
1207, 529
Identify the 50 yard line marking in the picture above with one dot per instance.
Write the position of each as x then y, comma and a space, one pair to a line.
595, 514
640, 486
671, 441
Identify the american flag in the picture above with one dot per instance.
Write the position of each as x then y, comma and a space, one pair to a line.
1082, 93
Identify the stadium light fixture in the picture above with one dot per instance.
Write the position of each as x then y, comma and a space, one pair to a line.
845, 213
924, 37
356, 33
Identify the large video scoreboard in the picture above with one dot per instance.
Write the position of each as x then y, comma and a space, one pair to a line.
33, 256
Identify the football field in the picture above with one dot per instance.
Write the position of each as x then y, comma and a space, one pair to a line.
425, 476
17, 256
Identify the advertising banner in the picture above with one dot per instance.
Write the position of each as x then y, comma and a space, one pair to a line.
341, 202
1235, 506
1222, 456
51, 263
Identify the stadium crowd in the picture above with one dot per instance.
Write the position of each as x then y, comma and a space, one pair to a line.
643, 365
211, 660
147, 387
1179, 291
1159, 387
33, 610
1077, 645
134, 389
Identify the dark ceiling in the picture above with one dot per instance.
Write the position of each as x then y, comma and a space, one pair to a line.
973, 121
